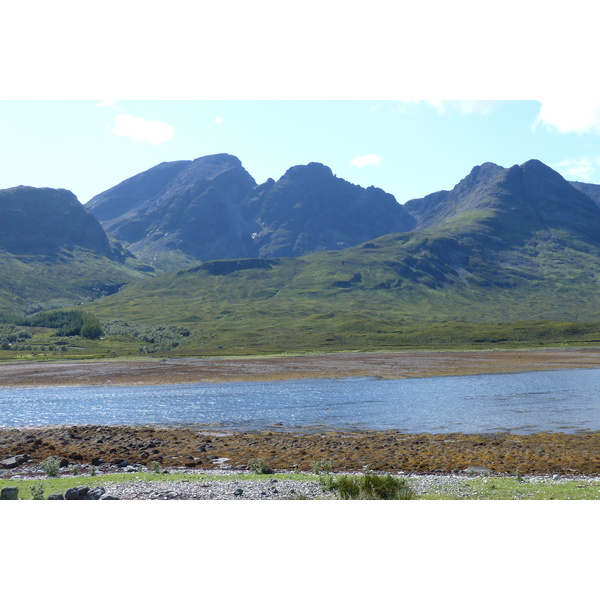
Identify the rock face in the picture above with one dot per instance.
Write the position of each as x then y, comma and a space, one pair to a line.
178, 214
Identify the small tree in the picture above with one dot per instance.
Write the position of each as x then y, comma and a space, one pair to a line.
91, 328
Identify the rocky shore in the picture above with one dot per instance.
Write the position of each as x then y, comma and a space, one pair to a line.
385, 451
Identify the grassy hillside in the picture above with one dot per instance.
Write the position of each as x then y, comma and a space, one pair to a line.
402, 290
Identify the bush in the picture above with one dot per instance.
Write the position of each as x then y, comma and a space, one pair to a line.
50, 467
37, 491
372, 487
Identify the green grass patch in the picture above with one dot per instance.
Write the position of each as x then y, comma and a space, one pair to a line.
367, 486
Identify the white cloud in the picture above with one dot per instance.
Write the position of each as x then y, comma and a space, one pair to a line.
141, 130
579, 169
465, 107
570, 116
108, 103
219, 120
363, 161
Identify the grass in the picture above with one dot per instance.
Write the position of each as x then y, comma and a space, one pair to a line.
523, 488
320, 332
472, 488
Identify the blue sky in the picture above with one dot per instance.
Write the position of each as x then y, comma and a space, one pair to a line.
407, 148
93, 94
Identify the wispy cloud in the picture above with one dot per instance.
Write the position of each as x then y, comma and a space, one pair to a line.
142, 130
108, 104
570, 116
363, 161
585, 168
465, 107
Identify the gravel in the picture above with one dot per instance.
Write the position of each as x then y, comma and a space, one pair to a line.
278, 487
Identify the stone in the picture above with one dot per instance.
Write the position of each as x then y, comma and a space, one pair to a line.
14, 461
56, 497
96, 462
108, 497
9, 493
94, 493
476, 471
76, 493
64, 462
238, 492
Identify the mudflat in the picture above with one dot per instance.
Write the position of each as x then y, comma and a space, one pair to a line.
386, 365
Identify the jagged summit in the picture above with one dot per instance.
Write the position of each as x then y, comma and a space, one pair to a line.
178, 214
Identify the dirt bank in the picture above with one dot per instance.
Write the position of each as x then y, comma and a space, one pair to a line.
393, 365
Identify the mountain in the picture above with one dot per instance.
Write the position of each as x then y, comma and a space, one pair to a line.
505, 244
311, 210
589, 189
53, 252
178, 214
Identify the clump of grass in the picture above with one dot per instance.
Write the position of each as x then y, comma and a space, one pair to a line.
37, 491
259, 467
325, 466
155, 467
50, 467
371, 486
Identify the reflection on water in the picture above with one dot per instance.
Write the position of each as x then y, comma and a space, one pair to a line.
565, 401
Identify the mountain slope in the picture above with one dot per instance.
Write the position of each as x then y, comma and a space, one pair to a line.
179, 214
510, 244
53, 252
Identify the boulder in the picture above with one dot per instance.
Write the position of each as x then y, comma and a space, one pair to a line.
94, 493
9, 493
56, 497
76, 493
14, 461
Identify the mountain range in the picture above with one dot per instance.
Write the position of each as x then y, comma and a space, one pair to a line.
203, 238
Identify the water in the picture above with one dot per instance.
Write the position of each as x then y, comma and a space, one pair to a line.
564, 401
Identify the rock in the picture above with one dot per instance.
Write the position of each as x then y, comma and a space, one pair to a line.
9, 493
108, 497
94, 493
76, 493
238, 492
56, 497
63, 462
96, 462
475, 471
14, 461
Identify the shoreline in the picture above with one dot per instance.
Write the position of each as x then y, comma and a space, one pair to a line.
384, 451
382, 365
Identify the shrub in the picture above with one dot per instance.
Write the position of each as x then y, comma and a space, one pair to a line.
50, 467
258, 466
322, 465
37, 491
372, 487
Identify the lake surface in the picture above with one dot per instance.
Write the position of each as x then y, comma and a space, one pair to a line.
558, 401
